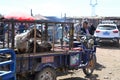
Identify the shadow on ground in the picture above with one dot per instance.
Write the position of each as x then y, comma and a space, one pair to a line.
99, 66
74, 78
108, 45
92, 77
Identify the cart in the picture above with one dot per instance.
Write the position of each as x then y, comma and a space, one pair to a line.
49, 64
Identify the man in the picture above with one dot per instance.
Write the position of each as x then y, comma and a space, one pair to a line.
59, 32
86, 30
92, 29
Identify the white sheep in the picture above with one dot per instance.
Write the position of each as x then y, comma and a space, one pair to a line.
21, 42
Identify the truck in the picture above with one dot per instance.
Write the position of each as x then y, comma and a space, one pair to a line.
47, 65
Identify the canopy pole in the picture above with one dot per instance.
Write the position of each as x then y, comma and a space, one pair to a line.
13, 35
54, 36
8, 36
34, 38
62, 36
46, 31
71, 36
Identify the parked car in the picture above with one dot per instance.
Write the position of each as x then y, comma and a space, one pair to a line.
107, 31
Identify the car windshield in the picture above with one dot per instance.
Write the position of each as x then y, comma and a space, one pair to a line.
106, 27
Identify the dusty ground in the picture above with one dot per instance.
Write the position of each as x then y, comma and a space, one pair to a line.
107, 67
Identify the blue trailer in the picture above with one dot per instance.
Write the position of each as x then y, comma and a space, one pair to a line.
47, 65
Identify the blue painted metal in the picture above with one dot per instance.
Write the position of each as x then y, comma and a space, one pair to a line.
61, 60
9, 74
84, 56
87, 53
54, 19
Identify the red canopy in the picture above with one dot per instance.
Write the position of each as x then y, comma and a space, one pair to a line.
19, 16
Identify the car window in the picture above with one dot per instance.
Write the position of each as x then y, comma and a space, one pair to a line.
106, 27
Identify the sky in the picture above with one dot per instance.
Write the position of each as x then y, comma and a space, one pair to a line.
72, 8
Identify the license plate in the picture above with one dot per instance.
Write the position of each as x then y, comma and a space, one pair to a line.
106, 33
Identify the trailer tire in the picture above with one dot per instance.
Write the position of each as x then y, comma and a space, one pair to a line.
46, 74
88, 70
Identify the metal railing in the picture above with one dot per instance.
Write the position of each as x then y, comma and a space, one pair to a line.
7, 60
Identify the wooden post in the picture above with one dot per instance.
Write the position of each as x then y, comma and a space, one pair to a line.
54, 36
8, 35
46, 31
62, 36
42, 37
71, 32
70, 38
13, 35
2, 34
34, 38
72, 35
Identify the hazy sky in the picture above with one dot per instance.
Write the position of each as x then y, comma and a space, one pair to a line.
56, 7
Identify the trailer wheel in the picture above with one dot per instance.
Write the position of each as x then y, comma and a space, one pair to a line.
88, 70
46, 74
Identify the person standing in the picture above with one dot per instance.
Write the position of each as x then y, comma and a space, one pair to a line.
59, 32
21, 28
86, 30
92, 29
66, 30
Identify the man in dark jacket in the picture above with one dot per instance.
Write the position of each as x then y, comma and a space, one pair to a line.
86, 30
92, 29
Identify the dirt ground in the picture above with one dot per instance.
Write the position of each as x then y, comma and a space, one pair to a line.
107, 67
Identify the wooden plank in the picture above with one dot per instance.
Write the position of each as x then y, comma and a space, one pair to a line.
51, 53
41, 54
35, 21
13, 35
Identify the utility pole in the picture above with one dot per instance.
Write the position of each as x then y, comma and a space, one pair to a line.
61, 16
65, 17
93, 4
31, 12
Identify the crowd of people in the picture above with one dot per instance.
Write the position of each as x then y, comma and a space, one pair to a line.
7, 28
83, 28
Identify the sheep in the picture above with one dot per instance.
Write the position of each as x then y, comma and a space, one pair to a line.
42, 47
25, 42
21, 40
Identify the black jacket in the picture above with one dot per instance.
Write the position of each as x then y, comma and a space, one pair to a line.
90, 29
83, 31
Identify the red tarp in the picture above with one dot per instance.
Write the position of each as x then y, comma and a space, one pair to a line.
19, 16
